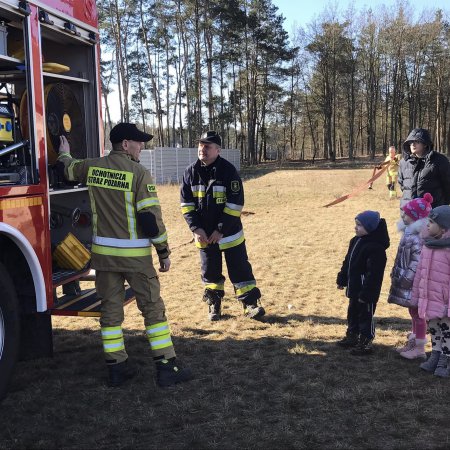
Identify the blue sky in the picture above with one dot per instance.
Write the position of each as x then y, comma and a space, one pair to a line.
302, 12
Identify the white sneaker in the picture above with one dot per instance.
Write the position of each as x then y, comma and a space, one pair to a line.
414, 353
410, 344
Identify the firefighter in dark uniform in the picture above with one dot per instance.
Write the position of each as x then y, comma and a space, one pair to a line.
212, 198
126, 221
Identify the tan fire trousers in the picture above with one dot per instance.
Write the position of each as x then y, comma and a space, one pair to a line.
146, 287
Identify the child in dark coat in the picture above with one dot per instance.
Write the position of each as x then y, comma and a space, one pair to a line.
362, 274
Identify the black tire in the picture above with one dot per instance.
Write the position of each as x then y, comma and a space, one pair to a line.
9, 329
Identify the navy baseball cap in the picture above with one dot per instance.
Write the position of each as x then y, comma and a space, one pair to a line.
128, 131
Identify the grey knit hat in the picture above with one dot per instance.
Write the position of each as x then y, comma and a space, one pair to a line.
441, 215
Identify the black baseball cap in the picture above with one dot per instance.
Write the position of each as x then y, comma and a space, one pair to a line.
128, 131
211, 136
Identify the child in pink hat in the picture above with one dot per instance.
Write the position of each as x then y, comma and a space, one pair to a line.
414, 218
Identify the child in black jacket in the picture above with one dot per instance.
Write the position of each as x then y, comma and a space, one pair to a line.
362, 273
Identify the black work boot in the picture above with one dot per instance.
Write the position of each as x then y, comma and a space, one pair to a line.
214, 301
119, 373
363, 347
254, 311
168, 373
350, 340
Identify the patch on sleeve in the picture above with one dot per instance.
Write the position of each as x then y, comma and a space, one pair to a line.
151, 188
235, 186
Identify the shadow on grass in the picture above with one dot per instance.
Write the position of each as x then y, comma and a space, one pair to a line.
381, 322
269, 392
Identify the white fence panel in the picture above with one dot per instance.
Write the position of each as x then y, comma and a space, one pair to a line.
167, 165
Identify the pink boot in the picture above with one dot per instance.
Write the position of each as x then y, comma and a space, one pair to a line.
411, 343
418, 351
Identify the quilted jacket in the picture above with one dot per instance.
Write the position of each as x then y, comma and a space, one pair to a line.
405, 265
431, 286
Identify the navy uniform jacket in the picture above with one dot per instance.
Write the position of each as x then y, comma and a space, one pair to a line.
212, 198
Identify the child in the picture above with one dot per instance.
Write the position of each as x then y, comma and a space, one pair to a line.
362, 273
413, 215
392, 171
431, 289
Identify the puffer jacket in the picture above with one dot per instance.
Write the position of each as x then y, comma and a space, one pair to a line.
430, 173
405, 265
431, 288
363, 267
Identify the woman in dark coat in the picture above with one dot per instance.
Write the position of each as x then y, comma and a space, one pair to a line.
423, 169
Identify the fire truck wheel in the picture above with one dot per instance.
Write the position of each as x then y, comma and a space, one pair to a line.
9, 329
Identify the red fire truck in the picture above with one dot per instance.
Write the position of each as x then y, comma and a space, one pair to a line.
49, 86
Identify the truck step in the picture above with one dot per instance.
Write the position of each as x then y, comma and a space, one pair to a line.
84, 305
63, 276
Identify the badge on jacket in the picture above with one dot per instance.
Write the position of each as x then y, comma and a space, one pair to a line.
151, 188
235, 186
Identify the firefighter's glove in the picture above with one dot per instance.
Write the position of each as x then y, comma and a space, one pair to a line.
64, 146
164, 264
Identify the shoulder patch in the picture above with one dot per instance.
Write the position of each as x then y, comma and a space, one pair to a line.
235, 187
151, 187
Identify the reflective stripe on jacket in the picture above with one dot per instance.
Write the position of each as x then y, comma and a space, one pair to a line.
212, 197
119, 188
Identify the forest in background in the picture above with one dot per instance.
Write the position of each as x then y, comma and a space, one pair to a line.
350, 83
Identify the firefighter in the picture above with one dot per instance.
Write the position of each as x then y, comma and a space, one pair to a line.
127, 221
212, 198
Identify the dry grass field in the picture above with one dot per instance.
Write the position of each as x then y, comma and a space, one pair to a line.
277, 384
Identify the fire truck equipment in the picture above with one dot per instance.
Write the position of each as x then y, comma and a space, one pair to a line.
71, 253
53, 67
63, 116
6, 124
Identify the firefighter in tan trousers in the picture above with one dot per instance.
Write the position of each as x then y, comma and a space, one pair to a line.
127, 221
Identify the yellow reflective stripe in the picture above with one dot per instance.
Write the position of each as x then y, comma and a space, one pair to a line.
113, 345
200, 244
232, 241
147, 203
157, 328
159, 335
243, 290
131, 215
215, 286
219, 194
112, 338
199, 194
160, 239
231, 212
94, 212
187, 209
125, 252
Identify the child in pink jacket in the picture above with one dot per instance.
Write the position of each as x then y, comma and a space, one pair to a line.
431, 290
414, 218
